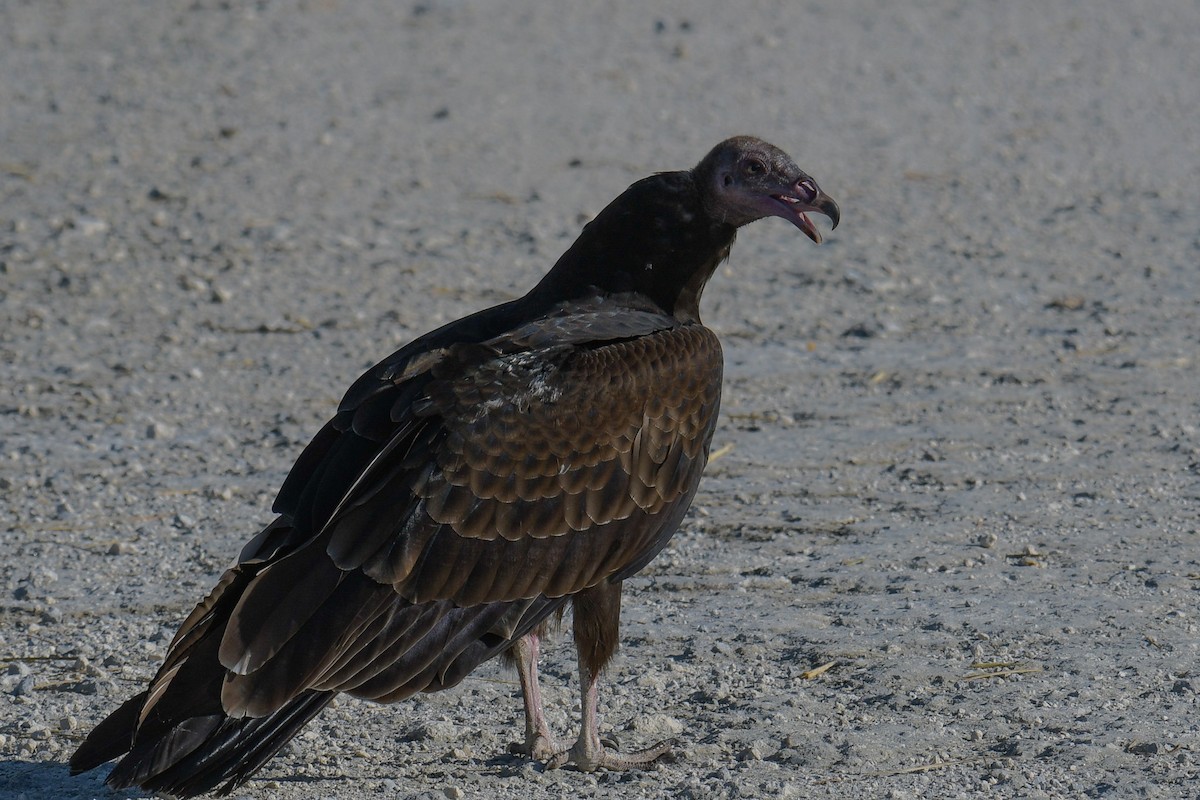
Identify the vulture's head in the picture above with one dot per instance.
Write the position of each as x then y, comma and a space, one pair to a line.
745, 179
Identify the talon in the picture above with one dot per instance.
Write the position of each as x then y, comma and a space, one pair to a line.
538, 748
558, 760
589, 758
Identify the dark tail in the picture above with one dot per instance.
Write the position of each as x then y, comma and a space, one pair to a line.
206, 752
299, 630
175, 737
200, 753
111, 738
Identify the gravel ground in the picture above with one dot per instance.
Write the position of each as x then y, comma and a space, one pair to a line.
960, 456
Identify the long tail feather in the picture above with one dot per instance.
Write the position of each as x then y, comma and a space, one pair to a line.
230, 751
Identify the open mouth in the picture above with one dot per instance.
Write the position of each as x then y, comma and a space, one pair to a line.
800, 198
794, 210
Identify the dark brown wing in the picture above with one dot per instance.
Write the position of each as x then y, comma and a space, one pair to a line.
464, 492
525, 469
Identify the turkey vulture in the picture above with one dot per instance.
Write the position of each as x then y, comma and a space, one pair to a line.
468, 487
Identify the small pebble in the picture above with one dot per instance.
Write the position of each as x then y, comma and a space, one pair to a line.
159, 430
90, 226
657, 725
438, 731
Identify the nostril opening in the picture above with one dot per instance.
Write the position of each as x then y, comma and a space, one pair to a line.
809, 190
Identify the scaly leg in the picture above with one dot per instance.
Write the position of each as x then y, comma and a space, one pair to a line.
539, 744
596, 627
588, 754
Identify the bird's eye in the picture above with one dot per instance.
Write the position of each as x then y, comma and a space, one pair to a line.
755, 167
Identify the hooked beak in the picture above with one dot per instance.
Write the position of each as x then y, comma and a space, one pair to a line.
802, 197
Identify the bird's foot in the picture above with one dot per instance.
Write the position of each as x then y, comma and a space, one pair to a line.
589, 756
539, 747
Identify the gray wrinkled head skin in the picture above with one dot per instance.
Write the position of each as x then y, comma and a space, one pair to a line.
745, 179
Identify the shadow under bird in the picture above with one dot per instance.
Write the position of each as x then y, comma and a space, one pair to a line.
469, 487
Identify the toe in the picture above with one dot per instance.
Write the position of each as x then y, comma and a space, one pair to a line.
539, 748
587, 758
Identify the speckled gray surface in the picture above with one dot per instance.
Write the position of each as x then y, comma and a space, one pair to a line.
964, 430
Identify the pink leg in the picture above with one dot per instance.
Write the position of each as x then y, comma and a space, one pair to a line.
539, 744
588, 753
